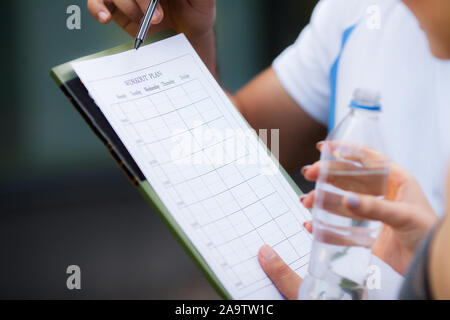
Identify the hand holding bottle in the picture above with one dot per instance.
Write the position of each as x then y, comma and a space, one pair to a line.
405, 212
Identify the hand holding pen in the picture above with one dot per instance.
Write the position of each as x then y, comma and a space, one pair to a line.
194, 18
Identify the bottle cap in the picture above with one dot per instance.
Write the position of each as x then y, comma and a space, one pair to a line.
366, 99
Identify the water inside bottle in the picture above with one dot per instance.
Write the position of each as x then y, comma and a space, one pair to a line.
343, 243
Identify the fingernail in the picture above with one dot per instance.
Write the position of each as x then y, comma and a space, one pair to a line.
352, 201
103, 16
319, 145
157, 14
302, 198
304, 169
267, 252
308, 226
345, 151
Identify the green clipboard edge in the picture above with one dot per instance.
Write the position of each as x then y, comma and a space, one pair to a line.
64, 73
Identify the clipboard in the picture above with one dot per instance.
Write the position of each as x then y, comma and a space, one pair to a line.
70, 84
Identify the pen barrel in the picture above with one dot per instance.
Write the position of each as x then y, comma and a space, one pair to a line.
147, 19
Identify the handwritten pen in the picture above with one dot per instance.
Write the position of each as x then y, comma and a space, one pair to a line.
145, 23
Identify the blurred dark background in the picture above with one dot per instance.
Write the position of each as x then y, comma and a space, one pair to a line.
63, 200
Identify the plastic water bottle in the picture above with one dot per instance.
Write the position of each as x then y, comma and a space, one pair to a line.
342, 245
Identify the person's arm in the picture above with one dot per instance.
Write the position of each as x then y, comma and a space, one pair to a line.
267, 105
264, 102
439, 259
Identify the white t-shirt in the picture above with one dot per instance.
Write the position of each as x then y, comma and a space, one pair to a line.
388, 52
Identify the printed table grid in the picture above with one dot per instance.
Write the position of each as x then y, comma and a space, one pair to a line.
159, 117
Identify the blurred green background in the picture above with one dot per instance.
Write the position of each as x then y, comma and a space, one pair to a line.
62, 198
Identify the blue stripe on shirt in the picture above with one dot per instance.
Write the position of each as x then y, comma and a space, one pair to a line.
333, 79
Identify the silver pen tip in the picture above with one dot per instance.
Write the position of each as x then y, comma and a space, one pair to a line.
137, 43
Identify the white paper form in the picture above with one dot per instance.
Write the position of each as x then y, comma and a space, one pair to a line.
193, 147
